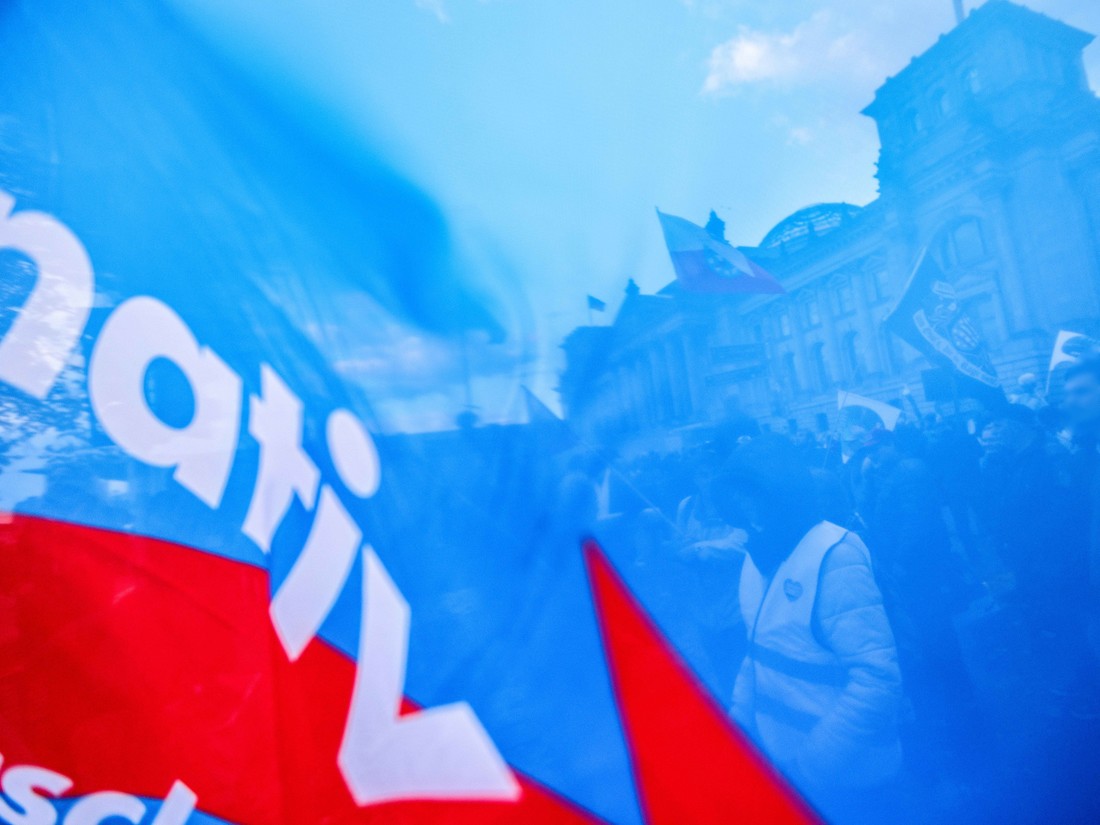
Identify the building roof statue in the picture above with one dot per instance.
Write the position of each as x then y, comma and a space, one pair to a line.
716, 227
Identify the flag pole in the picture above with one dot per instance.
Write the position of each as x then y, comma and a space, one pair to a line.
836, 432
466, 373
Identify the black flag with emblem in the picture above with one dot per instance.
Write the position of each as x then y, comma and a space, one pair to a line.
930, 318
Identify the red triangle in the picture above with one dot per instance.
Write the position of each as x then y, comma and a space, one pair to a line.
691, 764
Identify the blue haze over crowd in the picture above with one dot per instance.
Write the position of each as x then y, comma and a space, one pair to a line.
548, 131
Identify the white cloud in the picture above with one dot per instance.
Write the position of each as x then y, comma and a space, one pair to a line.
850, 46
436, 7
712, 9
818, 49
403, 363
799, 136
752, 56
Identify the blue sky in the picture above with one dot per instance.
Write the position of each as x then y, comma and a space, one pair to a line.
548, 130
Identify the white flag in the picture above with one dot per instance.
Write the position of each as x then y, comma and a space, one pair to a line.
1065, 349
887, 413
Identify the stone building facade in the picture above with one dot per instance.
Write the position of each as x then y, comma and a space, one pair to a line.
990, 157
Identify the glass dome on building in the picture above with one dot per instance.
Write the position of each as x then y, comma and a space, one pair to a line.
812, 221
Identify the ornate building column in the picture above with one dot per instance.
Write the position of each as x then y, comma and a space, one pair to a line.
1017, 308
796, 309
831, 352
866, 326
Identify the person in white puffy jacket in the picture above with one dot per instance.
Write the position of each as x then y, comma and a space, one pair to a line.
819, 689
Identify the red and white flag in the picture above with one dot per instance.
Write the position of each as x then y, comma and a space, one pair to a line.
704, 263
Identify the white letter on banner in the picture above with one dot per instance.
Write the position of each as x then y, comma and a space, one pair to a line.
138, 332
310, 588
353, 453
53, 316
105, 806
275, 421
28, 787
314, 582
437, 753
177, 807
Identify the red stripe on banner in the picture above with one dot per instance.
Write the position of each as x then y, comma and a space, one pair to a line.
695, 274
690, 763
127, 663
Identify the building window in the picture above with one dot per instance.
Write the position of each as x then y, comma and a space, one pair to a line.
876, 285
912, 122
973, 79
820, 368
785, 324
728, 318
845, 299
941, 102
853, 357
813, 313
966, 244
969, 246
790, 372
894, 361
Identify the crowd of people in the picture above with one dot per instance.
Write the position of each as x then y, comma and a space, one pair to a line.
904, 622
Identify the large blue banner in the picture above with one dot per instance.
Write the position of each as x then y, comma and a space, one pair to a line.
331, 492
